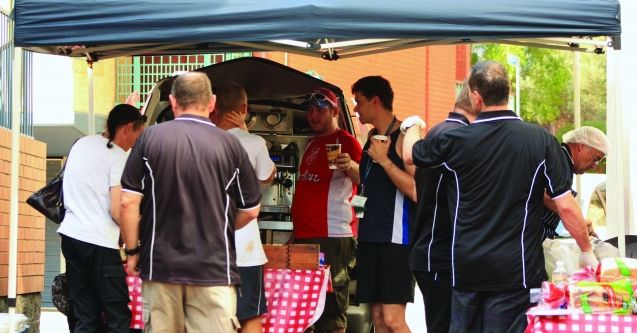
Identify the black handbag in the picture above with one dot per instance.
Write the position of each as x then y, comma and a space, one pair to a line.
49, 200
60, 294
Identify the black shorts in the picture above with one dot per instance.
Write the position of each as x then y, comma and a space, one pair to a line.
384, 275
251, 294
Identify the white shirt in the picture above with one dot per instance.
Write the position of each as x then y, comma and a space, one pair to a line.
248, 239
91, 170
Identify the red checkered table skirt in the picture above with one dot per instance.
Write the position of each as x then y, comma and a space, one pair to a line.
579, 322
295, 298
136, 304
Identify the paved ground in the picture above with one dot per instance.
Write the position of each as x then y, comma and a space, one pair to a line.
52, 321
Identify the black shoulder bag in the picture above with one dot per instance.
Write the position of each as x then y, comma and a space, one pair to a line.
49, 200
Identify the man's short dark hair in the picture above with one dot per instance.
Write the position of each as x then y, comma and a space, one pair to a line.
192, 89
230, 97
491, 81
371, 86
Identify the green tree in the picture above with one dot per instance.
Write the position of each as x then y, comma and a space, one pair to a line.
547, 83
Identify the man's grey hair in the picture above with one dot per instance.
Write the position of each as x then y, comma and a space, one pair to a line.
192, 89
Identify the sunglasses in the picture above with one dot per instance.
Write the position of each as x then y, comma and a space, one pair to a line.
318, 97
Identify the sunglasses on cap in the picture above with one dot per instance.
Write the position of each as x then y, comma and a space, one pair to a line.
317, 97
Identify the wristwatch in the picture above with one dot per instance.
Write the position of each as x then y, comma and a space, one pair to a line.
133, 251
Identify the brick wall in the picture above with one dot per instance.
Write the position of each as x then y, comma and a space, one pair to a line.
463, 62
423, 78
31, 224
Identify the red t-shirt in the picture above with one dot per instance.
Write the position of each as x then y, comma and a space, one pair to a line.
321, 204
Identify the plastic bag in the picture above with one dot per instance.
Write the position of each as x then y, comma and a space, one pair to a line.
602, 297
560, 250
553, 296
604, 250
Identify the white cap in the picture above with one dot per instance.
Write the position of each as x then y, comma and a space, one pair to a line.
588, 136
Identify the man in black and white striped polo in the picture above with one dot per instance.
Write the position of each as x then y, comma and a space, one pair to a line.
585, 148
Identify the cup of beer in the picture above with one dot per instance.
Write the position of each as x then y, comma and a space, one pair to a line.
381, 138
333, 150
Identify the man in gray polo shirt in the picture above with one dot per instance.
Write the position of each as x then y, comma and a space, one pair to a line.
195, 185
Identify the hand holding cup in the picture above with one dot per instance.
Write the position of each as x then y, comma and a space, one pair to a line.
333, 150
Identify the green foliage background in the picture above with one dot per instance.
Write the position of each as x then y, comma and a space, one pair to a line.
546, 85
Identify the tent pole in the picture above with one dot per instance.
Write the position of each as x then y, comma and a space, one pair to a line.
577, 119
16, 111
91, 109
615, 188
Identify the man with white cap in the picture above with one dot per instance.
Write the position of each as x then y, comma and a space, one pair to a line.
585, 148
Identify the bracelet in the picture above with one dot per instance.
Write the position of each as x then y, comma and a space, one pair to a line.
133, 251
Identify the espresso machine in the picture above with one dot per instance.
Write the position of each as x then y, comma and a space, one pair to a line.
275, 125
277, 197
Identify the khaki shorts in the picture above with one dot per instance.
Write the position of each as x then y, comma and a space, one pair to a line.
340, 254
174, 308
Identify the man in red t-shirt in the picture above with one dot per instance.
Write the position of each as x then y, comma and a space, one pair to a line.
321, 209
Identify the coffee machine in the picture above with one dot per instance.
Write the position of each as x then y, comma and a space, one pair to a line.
277, 197
275, 124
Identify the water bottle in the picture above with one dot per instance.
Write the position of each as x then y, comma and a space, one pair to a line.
560, 275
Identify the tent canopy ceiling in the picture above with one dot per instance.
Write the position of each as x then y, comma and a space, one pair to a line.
101, 29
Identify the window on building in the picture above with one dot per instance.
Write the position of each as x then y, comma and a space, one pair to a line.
140, 73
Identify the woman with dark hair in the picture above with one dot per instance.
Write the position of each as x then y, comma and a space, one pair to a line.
90, 229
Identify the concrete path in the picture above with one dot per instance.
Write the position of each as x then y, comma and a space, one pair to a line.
52, 321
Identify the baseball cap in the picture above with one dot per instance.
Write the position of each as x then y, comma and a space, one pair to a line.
321, 97
589, 136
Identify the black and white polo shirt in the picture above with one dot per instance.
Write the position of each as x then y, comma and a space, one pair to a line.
193, 178
502, 166
431, 243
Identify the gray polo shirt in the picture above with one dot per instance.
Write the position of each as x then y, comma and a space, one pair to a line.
193, 178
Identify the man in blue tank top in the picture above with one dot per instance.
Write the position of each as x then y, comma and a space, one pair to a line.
387, 193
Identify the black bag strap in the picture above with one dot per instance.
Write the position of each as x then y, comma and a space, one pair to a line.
61, 173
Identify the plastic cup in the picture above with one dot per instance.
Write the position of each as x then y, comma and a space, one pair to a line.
333, 150
381, 138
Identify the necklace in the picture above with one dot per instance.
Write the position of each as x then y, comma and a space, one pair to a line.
391, 125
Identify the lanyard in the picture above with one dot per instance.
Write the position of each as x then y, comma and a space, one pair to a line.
369, 160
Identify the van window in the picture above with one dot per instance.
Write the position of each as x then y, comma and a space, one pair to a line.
596, 212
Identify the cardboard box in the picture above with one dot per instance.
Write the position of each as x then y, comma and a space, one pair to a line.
292, 256
303, 256
277, 255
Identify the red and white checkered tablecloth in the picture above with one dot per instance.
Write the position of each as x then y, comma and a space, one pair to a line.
136, 304
296, 298
579, 322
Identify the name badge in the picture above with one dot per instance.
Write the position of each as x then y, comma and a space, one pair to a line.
359, 201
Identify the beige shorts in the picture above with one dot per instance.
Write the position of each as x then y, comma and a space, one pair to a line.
174, 308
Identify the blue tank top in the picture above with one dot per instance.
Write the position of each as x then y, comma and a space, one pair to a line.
387, 210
